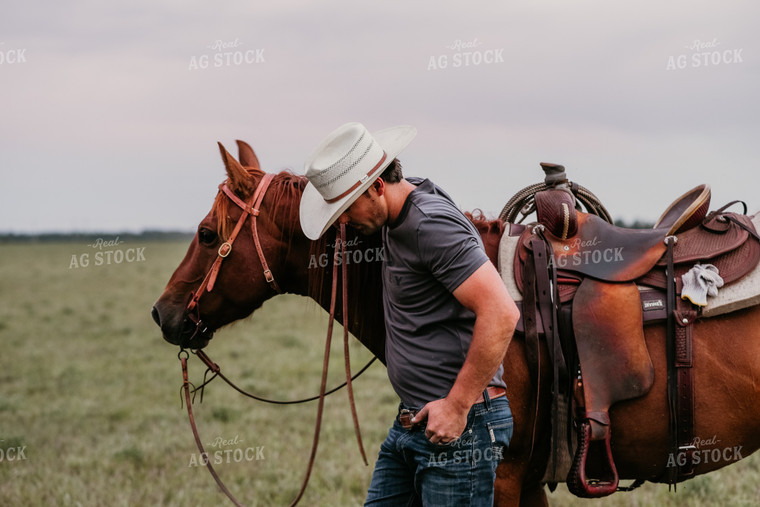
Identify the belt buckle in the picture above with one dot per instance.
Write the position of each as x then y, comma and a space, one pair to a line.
405, 417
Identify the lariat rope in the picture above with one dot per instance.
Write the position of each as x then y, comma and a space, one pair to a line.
523, 202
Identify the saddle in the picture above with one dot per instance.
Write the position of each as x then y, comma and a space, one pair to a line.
588, 287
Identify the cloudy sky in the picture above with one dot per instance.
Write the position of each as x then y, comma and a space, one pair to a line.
110, 111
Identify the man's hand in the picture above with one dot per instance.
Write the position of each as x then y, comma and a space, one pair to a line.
445, 421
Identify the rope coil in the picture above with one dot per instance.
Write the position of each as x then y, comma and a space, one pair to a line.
523, 202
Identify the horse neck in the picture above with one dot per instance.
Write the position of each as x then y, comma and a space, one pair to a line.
363, 261
364, 255
307, 266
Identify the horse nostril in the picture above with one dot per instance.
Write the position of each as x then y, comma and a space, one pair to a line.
156, 316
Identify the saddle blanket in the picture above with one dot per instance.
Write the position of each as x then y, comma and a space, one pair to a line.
741, 294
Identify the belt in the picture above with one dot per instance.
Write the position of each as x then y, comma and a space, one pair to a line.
493, 393
406, 415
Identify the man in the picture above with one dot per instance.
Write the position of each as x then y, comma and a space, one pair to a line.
449, 319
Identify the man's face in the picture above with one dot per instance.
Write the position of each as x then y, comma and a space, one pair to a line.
367, 214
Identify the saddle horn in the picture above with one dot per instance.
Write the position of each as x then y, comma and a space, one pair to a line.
555, 174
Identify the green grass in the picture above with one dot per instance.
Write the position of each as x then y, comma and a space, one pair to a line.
91, 392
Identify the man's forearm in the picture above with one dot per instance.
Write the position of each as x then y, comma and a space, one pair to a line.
490, 340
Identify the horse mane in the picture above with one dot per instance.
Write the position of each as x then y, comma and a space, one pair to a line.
363, 259
365, 304
491, 231
365, 309
365, 278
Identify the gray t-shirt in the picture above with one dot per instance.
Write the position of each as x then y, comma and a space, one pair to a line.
429, 251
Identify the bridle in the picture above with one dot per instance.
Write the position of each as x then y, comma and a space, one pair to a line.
207, 285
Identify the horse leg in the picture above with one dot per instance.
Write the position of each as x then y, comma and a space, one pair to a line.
534, 496
518, 476
512, 489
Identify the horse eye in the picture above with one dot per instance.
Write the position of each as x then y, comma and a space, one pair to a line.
206, 236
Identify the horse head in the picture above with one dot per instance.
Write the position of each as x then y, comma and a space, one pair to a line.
222, 277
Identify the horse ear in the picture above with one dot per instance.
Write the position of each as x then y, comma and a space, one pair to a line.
240, 180
246, 155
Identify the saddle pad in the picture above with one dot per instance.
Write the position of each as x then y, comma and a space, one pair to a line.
740, 294
507, 249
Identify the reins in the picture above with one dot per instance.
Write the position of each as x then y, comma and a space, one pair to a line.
193, 313
216, 371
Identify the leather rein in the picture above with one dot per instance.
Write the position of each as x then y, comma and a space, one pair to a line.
252, 209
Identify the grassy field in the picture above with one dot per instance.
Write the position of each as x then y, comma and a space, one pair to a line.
90, 397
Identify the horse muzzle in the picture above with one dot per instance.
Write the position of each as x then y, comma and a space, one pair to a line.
188, 331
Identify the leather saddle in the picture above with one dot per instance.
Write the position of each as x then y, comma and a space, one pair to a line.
595, 273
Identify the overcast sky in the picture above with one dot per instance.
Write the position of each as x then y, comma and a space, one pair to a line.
110, 111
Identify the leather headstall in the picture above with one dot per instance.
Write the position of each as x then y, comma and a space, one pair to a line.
251, 209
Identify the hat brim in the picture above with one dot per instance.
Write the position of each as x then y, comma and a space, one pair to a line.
317, 215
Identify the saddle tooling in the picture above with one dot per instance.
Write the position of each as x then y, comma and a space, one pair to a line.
588, 288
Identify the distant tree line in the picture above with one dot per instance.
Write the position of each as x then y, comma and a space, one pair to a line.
77, 237
157, 235
636, 224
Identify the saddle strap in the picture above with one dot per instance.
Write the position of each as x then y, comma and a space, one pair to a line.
680, 357
546, 300
546, 284
749, 230
532, 347
684, 362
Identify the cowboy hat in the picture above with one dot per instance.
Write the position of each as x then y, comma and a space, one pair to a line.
347, 162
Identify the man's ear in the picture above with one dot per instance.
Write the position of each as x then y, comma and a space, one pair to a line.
378, 186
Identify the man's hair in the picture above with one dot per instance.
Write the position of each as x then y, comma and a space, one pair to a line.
392, 173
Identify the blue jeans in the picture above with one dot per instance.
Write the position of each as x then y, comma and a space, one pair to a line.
411, 470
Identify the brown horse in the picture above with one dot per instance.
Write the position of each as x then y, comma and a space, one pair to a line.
726, 348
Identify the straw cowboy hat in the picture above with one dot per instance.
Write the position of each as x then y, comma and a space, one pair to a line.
346, 164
